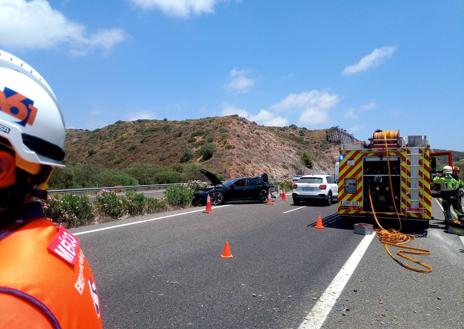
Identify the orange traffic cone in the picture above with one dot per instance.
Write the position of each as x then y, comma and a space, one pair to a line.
208, 208
226, 252
319, 224
283, 196
269, 200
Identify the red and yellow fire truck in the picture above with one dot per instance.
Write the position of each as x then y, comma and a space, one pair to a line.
388, 167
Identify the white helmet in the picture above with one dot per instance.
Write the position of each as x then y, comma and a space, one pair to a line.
447, 170
30, 117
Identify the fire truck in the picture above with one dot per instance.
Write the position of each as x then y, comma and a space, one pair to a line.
388, 167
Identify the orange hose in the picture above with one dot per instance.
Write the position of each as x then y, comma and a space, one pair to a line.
397, 239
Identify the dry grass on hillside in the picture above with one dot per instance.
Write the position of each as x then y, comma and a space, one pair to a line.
242, 147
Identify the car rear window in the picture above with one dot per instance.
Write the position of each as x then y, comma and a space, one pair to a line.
310, 180
254, 181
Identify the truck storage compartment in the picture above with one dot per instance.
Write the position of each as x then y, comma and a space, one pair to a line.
375, 177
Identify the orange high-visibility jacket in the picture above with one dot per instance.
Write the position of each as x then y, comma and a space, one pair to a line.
45, 279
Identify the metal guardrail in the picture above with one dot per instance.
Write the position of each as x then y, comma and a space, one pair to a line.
92, 190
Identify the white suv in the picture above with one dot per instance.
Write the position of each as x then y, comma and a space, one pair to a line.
315, 187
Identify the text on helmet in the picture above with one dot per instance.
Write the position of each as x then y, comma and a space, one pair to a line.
18, 106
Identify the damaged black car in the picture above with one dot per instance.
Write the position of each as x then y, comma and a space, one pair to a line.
236, 189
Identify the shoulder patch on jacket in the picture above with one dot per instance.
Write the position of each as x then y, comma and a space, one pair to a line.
65, 246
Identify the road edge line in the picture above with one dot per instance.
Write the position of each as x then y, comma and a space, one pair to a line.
318, 314
143, 221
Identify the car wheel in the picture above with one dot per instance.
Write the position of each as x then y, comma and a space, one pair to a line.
217, 198
328, 201
296, 201
263, 194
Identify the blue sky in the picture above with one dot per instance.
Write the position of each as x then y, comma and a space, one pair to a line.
361, 65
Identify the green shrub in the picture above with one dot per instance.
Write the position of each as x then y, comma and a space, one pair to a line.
179, 196
196, 185
144, 174
62, 178
207, 151
286, 185
70, 209
113, 177
198, 132
191, 171
308, 162
54, 210
80, 208
168, 176
135, 203
154, 205
186, 156
108, 203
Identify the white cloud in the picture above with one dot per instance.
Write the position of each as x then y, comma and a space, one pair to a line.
143, 115
369, 106
240, 82
314, 98
351, 114
314, 106
35, 24
268, 118
314, 116
264, 117
228, 109
375, 58
179, 8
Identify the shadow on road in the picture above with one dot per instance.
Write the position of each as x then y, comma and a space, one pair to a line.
333, 221
409, 227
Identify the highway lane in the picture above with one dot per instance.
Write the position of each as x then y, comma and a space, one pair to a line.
381, 294
168, 274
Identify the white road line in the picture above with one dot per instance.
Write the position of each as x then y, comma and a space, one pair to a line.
143, 221
439, 204
462, 239
316, 317
286, 212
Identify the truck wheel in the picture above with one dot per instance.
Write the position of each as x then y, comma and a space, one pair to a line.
296, 201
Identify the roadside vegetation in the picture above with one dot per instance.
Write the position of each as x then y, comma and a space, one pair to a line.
73, 210
89, 175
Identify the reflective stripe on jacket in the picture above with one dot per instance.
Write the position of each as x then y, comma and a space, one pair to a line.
448, 183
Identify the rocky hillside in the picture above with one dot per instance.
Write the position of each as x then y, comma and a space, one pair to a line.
238, 146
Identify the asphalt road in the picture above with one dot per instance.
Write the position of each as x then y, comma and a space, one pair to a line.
167, 273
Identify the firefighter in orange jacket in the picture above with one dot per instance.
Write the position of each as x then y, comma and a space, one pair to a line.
45, 279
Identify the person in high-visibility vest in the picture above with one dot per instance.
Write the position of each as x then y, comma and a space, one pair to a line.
45, 279
460, 192
449, 189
